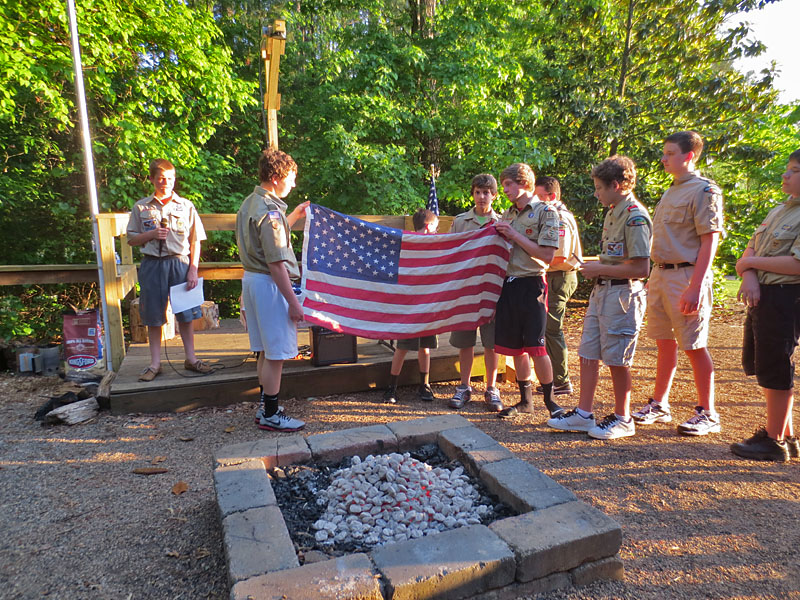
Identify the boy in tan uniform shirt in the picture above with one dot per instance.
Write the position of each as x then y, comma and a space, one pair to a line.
688, 223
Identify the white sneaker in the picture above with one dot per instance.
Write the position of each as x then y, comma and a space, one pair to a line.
571, 421
260, 413
612, 428
652, 412
701, 423
280, 422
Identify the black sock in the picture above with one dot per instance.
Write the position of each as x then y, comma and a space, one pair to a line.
551, 405
525, 391
425, 378
393, 381
270, 404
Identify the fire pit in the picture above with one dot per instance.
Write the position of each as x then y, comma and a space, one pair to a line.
553, 541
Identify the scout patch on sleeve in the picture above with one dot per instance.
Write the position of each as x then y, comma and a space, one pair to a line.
615, 249
636, 221
713, 192
274, 219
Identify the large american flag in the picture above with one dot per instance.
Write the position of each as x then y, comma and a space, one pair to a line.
382, 283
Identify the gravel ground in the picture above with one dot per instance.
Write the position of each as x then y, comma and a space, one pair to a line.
698, 523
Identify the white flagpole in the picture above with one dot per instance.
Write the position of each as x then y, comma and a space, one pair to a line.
91, 185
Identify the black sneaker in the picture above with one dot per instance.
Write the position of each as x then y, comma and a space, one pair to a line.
558, 390
761, 447
426, 393
390, 396
793, 447
518, 408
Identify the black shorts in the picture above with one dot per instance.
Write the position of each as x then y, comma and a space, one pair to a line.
771, 331
521, 318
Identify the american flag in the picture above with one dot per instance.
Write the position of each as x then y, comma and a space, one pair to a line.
382, 283
433, 199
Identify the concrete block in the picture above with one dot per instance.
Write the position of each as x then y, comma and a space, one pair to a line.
558, 538
522, 486
257, 542
472, 447
333, 447
453, 564
273, 451
347, 578
418, 432
242, 487
528, 589
607, 568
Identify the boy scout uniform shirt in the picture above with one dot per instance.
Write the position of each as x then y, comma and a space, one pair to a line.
263, 234
538, 222
569, 242
468, 221
183, 221
778, 235
691, 207
627, 232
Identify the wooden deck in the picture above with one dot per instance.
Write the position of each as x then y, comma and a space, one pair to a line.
177, 390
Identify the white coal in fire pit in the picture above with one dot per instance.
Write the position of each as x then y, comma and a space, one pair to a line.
392, 498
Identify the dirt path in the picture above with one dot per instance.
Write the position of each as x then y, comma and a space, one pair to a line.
697, 522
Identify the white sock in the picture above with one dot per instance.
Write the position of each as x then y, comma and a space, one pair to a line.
623, 419
583, 413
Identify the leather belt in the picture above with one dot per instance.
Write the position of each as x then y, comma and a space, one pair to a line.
601, 281
675, 266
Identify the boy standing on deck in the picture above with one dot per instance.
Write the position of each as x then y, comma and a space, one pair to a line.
425, 222
687, 226
169, 231
617, 304
521, 317
263, 234
484, 191
562, 281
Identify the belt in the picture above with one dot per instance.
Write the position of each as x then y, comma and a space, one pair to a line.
675, 266
164, 257
601, 281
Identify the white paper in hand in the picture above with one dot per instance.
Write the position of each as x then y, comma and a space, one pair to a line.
183, 299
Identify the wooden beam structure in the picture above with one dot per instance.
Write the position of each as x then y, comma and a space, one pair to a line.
273, 45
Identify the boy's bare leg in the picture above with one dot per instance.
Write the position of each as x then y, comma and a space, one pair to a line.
465, 359
154, 342
522, 365
269, 375
424, 360
187, 337
398, 359
543, 369
703, 371
590, 373
621, 380
490, 361
779, 410
666, 365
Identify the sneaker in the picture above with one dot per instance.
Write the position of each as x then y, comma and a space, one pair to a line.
761, 447
652, 412
260, 413
701, 423
612, 428
426, 393
280, 422
390, 396
558, 390
519, 407
461, 397
492, 398
793, 447
198, 367
571, 421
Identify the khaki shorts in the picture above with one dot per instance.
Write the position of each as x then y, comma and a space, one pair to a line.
612, 323
468, 338
428, 341
268, 325
664, 318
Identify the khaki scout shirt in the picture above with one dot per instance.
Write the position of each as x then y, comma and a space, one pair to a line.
184, 225
538, 222
263, 234
778, 235
691, 207
468, 221
569, 241
627, 232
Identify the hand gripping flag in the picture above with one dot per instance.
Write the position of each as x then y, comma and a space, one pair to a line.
382, 283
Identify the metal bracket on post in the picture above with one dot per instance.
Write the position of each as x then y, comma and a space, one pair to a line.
273, 45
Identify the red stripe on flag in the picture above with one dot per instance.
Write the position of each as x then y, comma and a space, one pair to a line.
401, 299
382, 317
451, 276
374, 334
464, 255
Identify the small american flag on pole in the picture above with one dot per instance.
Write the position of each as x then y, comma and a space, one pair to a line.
433, 199
382, 283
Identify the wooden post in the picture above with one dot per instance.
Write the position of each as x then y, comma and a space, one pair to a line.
273, 44
106, 225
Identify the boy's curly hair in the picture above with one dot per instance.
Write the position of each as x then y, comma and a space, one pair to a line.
617, 168
521, 174
274, 164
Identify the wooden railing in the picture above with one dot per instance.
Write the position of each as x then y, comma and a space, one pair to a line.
120, 279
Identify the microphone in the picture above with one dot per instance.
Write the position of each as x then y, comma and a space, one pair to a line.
164, 224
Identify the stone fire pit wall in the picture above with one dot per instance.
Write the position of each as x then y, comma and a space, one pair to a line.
555, 541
